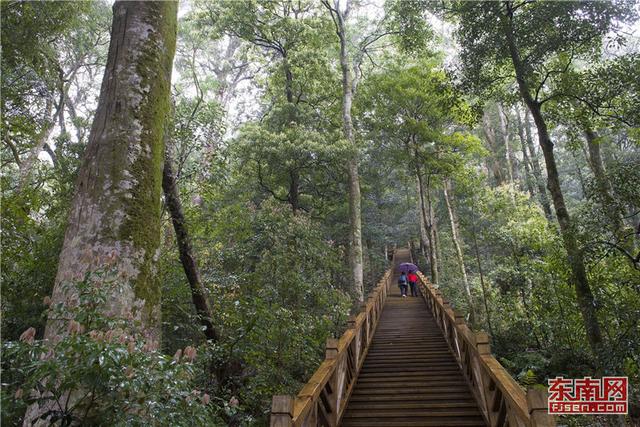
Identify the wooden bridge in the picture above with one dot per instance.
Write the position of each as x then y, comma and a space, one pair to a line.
410, 362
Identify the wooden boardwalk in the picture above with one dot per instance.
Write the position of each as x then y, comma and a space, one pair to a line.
409, 376
410, 362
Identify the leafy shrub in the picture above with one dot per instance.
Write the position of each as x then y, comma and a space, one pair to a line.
99, 372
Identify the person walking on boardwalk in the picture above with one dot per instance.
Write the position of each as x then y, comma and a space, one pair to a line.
413, 282
402, 283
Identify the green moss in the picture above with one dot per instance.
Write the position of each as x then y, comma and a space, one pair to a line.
142, 226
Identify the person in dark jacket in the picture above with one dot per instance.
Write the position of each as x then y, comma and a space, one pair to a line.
412, 277
402, 283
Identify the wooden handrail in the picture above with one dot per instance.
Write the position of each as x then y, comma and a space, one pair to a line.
501, 399
323, 400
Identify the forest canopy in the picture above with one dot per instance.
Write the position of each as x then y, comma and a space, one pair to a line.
196, 195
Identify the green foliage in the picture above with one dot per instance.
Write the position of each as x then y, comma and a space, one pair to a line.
100, 372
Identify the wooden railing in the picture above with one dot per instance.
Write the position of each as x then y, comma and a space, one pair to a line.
501, 399
322, 401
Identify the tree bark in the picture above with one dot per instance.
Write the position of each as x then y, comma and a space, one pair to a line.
457, 243
114, 223
187, 257
535, 166
575, 255
603, 184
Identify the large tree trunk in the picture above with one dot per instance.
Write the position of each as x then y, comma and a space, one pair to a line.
535, 166
457, 243
114, 223
187, 258
602, 183
355, 220
575, 255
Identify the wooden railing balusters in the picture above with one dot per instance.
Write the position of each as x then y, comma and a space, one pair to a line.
323, 399
502, 401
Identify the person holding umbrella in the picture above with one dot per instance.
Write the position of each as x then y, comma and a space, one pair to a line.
402, 283
406, 268
413, 283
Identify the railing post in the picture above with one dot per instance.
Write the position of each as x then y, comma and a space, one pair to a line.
482, 343
537, 404
459, 317
331, 351
282, 411
351, 323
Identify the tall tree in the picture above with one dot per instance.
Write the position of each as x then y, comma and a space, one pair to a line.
114, 223
534, 43
349, 85
457, 244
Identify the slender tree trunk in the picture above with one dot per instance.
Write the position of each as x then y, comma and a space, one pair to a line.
576, 164
26, 167
433, 236
604, 187
355, 219
575, 255
490, 137
504, 128
535, 165
424, 236
525, 156
425, 211
457, 243
114, 222
294, 190
187, 257
480, 271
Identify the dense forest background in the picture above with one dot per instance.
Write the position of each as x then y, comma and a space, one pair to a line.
299, 143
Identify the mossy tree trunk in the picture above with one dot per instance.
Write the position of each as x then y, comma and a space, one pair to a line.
114, 223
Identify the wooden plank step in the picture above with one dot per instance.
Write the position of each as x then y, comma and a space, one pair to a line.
414, 397
395, 413
411, 390
413, 422
460, 403
366, 385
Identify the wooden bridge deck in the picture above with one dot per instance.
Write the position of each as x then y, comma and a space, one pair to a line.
409, 376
